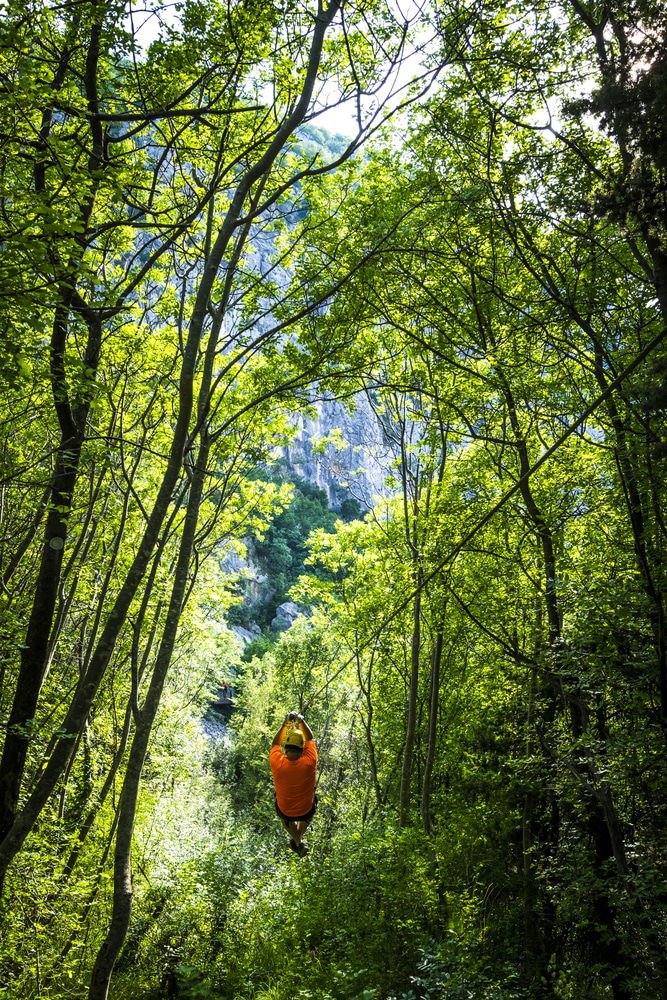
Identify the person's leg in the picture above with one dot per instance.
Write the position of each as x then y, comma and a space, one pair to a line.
298, 829
302, 824
297, 826
287, 823
294, 828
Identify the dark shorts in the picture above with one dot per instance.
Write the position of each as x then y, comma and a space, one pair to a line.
307, 817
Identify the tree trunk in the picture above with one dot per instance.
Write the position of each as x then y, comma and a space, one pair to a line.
35, 648
411, 722
72, 420
599, 821
367, 722
649, 572
122, 897
431, 739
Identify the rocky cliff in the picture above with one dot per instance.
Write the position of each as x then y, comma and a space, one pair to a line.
342, 451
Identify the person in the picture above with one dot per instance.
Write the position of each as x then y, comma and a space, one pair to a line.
294, 769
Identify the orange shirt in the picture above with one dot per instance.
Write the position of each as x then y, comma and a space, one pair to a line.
294, 780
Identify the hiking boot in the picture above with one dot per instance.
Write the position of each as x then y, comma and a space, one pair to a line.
302, 849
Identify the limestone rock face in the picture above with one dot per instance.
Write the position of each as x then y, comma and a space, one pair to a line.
354, 463
244, 634
256, 585
357, 469
286, 614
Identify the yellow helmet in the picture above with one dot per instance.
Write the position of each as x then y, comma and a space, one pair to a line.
295, 738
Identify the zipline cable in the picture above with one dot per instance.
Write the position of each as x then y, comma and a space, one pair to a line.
444, 563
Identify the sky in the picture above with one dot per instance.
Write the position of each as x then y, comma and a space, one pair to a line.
147, 17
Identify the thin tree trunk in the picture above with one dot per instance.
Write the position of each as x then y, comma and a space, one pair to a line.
636, 515
27, 539
138, 670
432, 734
411, 723
85, 910
367, 722
123, 892
87, 824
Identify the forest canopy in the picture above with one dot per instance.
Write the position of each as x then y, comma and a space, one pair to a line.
217, 220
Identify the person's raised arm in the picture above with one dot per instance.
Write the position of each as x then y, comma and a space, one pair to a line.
297, 720
280, 735
301, 722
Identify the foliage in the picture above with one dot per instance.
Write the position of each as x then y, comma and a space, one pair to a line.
191, 267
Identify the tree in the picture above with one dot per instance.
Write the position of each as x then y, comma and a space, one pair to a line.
195, 185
